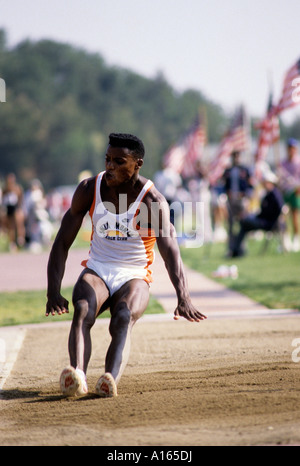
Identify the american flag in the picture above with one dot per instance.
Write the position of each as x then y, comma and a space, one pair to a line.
184, 156
269, 132
290, 94
235, 139
174, 157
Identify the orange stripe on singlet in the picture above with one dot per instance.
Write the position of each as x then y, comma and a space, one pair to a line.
148, 241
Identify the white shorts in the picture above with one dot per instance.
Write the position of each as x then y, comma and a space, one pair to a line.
115, 276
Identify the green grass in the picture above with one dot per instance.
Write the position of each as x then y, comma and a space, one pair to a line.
271, 278
4, 243
26, 307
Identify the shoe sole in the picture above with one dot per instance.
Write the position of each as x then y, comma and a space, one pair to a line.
106, 386
71, 383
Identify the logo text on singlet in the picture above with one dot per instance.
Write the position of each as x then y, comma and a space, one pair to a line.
115, 232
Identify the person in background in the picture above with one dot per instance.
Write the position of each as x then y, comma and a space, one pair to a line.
12, 201
270, 210
37, 223
238, 186
289, 179
168, 181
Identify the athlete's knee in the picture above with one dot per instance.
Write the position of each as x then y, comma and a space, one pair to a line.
121, 319
83, 313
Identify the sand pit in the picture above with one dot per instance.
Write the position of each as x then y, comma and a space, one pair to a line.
219, 382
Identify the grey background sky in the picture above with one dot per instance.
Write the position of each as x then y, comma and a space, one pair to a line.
228, 49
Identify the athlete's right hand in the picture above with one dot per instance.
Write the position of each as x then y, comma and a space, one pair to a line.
57, 304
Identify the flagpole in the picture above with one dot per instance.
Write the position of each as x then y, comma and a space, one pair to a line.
275, 145
247, 120
276, 152
203, 117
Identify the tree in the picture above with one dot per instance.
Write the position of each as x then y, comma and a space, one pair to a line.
62, 102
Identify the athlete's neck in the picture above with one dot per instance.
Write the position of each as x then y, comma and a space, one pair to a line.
121, 195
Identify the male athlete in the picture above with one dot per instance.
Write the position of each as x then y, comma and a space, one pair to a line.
126, 223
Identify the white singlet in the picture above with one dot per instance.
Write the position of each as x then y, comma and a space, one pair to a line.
118, 253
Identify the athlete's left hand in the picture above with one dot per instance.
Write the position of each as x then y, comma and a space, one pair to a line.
188, 311
57, 304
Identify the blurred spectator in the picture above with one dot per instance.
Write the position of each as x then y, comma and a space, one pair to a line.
238, 188
198, 187
59, 201
218, 212
266, 219
167, 181
38, 227
12, 200
289, 178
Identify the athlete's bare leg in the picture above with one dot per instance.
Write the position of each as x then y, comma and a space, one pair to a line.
127, 306
90, 295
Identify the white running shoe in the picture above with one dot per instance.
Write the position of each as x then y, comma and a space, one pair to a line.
106, 386
73, 382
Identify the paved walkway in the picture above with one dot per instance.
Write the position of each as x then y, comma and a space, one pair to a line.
209, 296
26, 271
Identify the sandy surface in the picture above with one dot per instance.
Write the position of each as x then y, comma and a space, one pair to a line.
229, 380
221, 382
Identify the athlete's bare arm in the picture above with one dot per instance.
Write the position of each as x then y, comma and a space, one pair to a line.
70, 225
170, 253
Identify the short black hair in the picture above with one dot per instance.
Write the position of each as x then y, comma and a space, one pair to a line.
128, 141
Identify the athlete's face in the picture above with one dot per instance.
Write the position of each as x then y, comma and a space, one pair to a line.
121, 166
